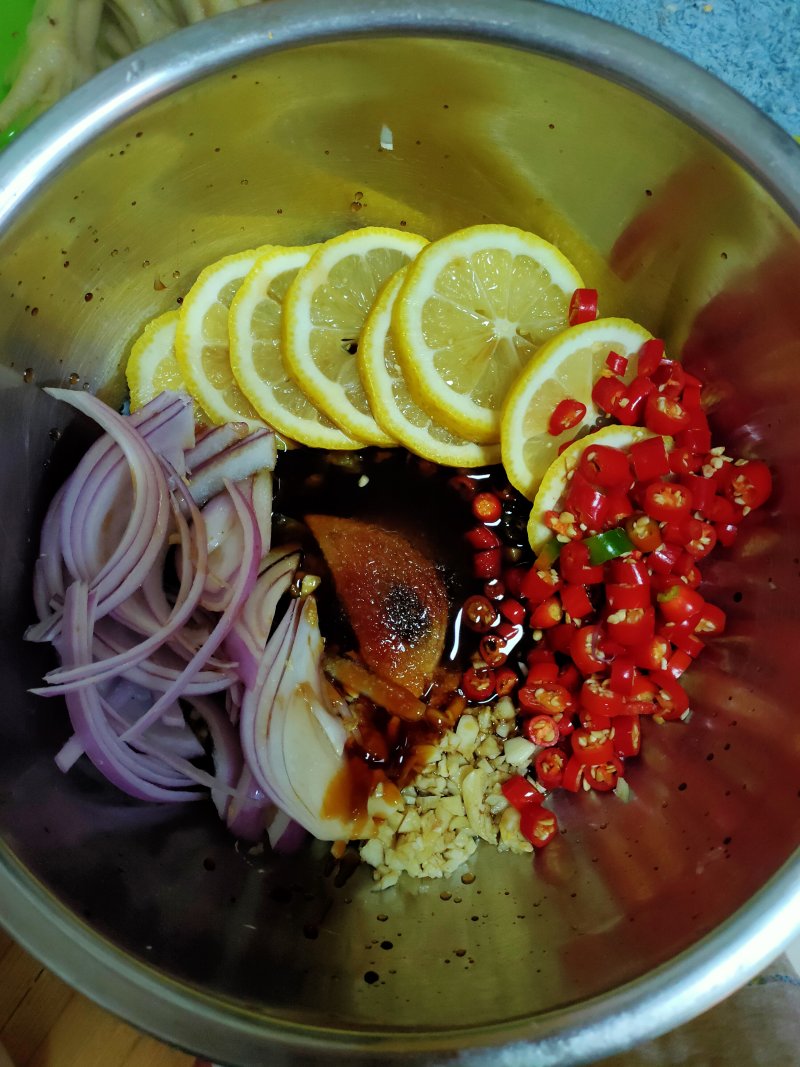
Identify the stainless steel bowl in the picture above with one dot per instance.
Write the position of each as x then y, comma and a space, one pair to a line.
681, 203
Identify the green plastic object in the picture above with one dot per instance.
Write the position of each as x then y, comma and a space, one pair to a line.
14, 18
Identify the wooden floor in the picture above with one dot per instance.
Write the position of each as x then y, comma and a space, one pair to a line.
44, 1023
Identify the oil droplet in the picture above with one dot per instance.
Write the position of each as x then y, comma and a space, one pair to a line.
158, 285
382, 918
386, 945
88, 297
460, 952
73, 379
28, 375
445, 895
468, 878
55, 434
371, 977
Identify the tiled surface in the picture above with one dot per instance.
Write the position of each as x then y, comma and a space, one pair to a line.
753, 45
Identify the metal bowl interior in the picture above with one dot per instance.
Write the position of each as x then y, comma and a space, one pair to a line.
267, 128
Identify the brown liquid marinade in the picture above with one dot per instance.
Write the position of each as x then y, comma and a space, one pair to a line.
403, 494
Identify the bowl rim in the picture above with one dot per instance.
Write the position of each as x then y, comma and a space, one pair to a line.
176, 1012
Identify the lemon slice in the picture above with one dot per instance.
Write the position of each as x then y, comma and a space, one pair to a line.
566, 366
152, 366
474, 308
395, 411
201, 341
254, 328
323, 314
554, 483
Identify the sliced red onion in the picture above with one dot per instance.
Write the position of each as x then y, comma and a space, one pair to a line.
226, 752
48, 572
224, 543
136, 552
245, 581
250, 810
214, 441
257, 452
290, 752
159, 670
102, 479
171, 734
262, 506
285, 835
61, 680
245, 643
119, 763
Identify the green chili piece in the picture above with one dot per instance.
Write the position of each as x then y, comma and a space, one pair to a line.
609, 545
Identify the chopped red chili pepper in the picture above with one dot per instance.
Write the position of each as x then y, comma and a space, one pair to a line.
583, 306
630, 408
487, 507
477, 684
546, 614
592, 746
627, 735
585, 650
649, 459
505, 681
650, 355
576, 602
665, 415
684, 460
631, 627
566, 415
650, 655
599, 698
538, 825
619, 507
626, 597
607, 392
488, 564
604, 776
519, 792
549, 766
575, 567
616, 363
586, 502
671, 698
679, 602
493, 649
667, 501
539, 585
623, 675
606, 467
512, 611
481, 537
712, 620
573, 774
542, 730
479, 614
629, 571
644, 532
751, 483
545, 698
694, 439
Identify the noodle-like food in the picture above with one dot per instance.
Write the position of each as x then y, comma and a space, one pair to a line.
70, 40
